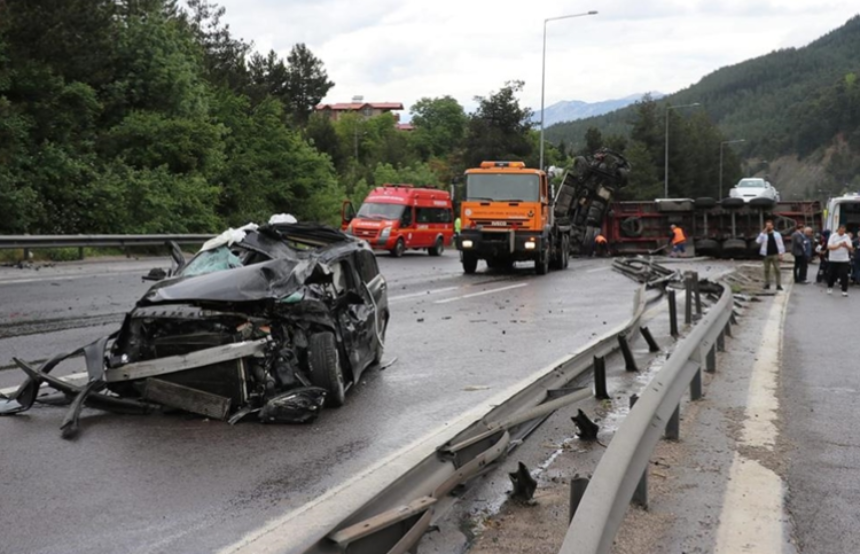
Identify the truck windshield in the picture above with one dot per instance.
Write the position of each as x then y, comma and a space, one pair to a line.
378, 210
503, 186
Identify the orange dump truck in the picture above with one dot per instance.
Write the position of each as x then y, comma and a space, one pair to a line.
507, 216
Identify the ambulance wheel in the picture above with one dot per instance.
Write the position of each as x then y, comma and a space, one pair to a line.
399, 248
438, 248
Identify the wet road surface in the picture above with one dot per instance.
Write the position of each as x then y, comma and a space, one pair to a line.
168, 483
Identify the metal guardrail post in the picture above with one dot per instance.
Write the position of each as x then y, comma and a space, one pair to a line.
696, 384
721, 341
698, 294
673, 427
629, 360
728, 328
649, 338
711, 359
673, 314
688, 298
640, 496
600, 391
577, 490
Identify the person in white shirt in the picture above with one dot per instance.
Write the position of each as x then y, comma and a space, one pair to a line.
772, 250
840, 249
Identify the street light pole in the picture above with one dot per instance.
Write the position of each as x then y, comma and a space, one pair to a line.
721, 162
666, 156
543, 71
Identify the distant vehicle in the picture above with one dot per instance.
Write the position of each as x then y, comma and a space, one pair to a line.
754, 187
400, 217
843, 210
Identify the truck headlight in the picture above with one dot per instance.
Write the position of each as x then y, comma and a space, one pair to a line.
530, 245
383, 236
467, 244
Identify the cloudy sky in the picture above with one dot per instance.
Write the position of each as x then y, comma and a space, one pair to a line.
403, 50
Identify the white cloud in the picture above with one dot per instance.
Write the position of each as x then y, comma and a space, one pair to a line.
402, 50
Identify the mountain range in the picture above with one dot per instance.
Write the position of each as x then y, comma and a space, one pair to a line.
572, 110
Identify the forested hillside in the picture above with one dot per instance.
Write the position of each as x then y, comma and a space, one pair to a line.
803, 102
149, 116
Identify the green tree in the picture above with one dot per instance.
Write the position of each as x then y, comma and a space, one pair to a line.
440, 125
307, 83
499, 128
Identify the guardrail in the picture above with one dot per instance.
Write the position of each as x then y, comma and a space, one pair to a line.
388, 508
621, 475
31, 242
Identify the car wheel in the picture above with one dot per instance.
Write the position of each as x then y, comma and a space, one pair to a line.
438, 248
470, 262
399, 248
324, 365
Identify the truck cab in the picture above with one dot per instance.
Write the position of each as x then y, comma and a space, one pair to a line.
506, 217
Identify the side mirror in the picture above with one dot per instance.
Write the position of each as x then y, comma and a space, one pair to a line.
176, 254
155, 274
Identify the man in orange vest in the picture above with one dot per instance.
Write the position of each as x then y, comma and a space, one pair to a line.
679, 241
601, 247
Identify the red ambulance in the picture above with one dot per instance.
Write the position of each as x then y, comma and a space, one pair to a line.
401, 217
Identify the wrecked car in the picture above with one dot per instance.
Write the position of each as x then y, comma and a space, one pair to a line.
276, 320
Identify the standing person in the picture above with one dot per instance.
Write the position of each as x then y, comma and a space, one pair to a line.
839, 262
678, 240
798, 250
772, 249
458, 225
823, 254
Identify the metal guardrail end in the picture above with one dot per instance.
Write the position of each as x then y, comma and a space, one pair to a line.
586, 429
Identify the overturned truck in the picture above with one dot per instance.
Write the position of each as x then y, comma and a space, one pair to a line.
586, 193
276, 321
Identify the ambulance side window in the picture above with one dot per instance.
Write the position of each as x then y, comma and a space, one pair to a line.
406, 219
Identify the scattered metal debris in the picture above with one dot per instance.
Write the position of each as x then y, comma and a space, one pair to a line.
524, 484
273, 320
586, 429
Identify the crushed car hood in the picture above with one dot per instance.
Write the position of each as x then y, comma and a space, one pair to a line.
267, 280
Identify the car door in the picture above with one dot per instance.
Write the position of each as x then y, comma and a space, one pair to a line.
353, 313
376, 289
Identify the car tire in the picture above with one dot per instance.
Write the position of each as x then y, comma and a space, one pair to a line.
705, 203
399, 248
470, 263
324, 366
438, 248
762, 203
732, 203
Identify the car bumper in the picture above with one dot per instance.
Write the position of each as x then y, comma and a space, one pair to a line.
507, 244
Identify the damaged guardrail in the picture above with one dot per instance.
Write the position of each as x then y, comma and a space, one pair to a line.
621, 475
411, 495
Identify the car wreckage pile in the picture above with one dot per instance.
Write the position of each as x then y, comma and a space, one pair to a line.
276, 320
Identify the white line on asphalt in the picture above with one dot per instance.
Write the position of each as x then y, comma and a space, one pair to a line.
419, 294
482, 293
71, 378
753, 516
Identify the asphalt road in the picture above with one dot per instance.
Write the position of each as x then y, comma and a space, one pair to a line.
820, 384
183, 484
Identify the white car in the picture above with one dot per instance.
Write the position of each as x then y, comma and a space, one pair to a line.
754, 187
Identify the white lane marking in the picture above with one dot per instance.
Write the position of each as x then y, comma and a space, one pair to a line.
595, 270
71, 378
753, 516
482, 293
419, 294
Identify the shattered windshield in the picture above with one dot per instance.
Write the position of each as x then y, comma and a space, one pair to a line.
520, 187
210, 261
378, 210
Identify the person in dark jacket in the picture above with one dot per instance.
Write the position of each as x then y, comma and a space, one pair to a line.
798, 250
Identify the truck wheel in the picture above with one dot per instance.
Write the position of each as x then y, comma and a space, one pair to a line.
438, 248
591, 233
542, 263
399, 248
565, 251
324, 366
470, 263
